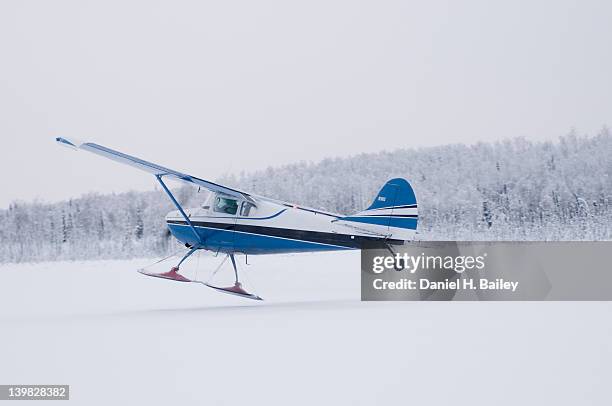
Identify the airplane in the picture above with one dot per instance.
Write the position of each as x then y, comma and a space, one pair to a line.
235, 222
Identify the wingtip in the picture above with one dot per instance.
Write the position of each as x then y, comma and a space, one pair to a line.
66, 142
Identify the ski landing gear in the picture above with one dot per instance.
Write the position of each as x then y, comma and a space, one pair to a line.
173, 274
237, 288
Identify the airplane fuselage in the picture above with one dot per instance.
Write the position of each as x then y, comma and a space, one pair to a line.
226, 224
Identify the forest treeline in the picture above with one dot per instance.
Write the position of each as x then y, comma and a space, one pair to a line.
510, 190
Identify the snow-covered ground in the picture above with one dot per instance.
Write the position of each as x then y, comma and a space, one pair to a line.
118, 337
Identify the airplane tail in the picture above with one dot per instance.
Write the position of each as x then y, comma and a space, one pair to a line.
393, 212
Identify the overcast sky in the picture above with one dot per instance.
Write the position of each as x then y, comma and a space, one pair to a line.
210, 87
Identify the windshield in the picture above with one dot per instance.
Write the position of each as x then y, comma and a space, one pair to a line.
225, 205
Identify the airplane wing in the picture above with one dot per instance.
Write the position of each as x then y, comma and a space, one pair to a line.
150, 167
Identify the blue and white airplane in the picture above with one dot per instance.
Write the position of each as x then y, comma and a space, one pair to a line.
236, 222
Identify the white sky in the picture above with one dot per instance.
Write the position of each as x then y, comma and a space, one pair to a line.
223, 86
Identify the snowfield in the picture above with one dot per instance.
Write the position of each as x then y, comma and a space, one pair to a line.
118, 337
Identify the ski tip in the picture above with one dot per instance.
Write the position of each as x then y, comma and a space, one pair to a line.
236, 291
172, 275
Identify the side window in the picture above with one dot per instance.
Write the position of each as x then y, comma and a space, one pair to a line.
225, 205
247, 209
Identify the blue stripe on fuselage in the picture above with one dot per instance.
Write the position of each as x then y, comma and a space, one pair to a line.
399, 222
229, 241
248, 218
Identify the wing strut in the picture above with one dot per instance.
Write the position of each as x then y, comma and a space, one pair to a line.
178, 206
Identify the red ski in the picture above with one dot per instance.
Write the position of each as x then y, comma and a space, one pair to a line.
172, 274
234, 290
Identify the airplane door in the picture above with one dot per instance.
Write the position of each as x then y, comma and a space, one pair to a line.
243, 242
225, 212
234, 236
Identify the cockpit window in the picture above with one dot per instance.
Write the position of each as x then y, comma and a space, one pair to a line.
247, 208
225, 205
